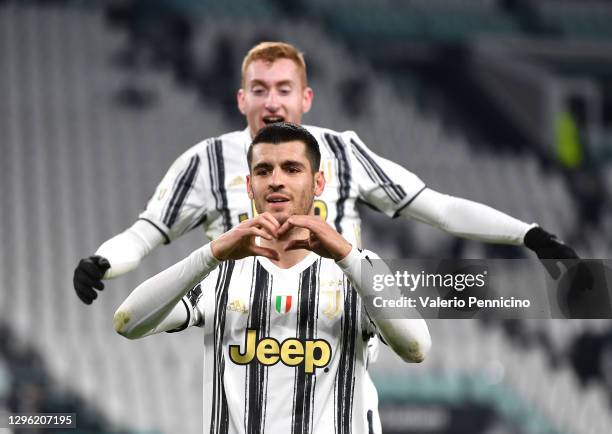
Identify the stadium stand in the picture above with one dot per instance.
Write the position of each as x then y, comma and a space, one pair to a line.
76, 162
28, 388
581, 20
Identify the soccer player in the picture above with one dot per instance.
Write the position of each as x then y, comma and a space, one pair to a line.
280, 298
205, 186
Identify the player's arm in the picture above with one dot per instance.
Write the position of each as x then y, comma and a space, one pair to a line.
125, 250
155, 305
408, 337
465, 218
175, 207
397, 192
115, 257
468, 219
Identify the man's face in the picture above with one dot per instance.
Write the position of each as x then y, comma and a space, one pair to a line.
273, 92
281, 180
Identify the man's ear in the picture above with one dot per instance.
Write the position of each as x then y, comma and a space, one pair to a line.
319, 184
249, 187
307, 97
240, 100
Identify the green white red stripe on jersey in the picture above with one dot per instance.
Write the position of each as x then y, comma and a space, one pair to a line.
283, 303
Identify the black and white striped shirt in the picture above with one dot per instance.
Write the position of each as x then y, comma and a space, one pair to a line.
207, 185
284, 349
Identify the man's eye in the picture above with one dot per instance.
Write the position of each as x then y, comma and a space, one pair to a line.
261, 172
294, 169
284, 90
258, 91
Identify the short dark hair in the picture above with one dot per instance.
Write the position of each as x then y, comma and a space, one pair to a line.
283, 132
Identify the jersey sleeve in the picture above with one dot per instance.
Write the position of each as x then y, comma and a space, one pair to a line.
178, 204
407, 336
368, 328
382, 184
193, 303
195, 316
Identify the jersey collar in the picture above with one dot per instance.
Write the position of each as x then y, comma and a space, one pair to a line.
271, 268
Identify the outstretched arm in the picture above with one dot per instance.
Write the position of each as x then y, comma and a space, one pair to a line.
175, 207
115, 257
395, 191
474, 220
465, 218
125, 251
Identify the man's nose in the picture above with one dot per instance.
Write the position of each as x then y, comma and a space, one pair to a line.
276, 180
272, 102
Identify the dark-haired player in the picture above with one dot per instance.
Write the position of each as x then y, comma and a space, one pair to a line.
280, 356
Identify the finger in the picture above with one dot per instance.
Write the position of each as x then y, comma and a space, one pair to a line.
271, 219
87, 295
257, 232
263, 251
268, 227
84, 280
90, 269
91, 296
298, 244
82, 289
266, 224
99, 285
284, 228
268, 217
304, 221
87, 288
84, 299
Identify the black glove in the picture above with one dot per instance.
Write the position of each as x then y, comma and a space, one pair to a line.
88, 275
547, 246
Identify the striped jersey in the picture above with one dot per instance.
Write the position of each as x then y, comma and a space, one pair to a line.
285, 350
207, 185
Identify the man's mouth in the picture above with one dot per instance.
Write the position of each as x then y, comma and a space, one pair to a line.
277, 198
273, 119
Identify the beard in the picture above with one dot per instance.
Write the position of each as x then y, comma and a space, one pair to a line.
302, 207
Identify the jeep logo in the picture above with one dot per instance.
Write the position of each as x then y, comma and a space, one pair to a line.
292, 352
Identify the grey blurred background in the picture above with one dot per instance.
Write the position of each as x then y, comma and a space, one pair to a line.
507, 102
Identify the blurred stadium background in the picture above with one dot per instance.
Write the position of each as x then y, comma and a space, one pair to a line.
508, 102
